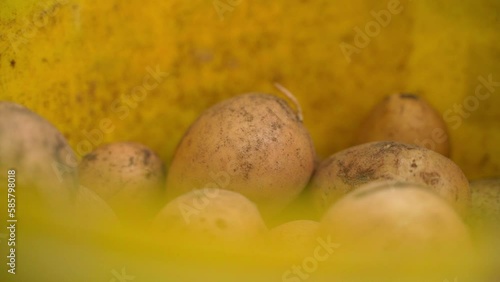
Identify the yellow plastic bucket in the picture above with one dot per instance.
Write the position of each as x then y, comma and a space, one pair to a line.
104, 71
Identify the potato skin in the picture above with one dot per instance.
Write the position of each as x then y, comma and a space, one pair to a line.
93, 213
484, 215
211, 215
485, 201
129, 176
395, 217
295, 238
405, 118
345, 171
44, 162
253, 144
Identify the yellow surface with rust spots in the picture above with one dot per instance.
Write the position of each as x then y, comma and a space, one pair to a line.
71, 60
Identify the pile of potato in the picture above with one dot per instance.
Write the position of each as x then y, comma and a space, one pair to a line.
246, 162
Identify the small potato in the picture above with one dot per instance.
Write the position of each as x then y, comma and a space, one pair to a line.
129, 176
485, 199
253, 144
484, 215
45, 165
405, 118
345, 171
395, 217
92, 212
295, 238
212, 215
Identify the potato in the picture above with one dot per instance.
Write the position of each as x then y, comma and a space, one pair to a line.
394, 217
295, 238
405, 118
213, 215
347, 170
485, 199
93, 213
253, 144
129, 176
484, 217
45, 165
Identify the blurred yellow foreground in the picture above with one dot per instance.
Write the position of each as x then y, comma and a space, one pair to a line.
110, 70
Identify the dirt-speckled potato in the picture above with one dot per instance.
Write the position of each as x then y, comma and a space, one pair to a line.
253, 144
405, 118
129, 176
386, 217
45, 164
345, 171
211, 215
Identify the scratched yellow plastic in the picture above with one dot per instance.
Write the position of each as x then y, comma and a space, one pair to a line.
77, 62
